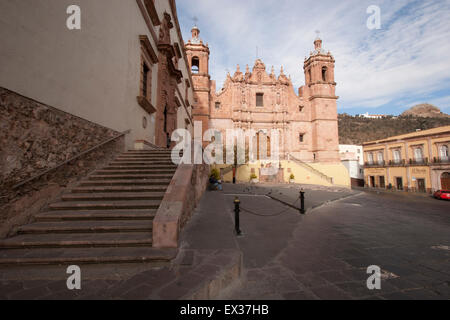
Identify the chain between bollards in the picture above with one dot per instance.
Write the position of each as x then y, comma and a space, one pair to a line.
237, 203
302, 202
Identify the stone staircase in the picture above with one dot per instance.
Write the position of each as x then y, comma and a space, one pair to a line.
106, 218
311, 169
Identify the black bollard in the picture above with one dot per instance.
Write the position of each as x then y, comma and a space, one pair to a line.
302, 202
237, 203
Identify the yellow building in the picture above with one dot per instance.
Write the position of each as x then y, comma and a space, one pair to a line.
417, 162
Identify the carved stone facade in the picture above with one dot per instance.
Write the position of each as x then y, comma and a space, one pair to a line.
168, 79
262, 101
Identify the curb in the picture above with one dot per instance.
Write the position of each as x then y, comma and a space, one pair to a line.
225, 276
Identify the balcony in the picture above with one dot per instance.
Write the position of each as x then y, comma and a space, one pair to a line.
377, 164
397, 163
418, 162
441, 160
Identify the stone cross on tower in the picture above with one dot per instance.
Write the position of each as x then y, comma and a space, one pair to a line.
318, 42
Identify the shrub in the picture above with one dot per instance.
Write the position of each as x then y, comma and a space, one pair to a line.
253, 176
292, 177
215, 173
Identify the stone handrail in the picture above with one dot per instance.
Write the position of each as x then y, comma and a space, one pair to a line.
311, 169
181, 198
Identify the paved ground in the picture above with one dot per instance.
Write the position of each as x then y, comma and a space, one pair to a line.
321, 255
325, 254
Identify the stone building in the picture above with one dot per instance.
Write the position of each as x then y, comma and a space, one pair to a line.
417, 162
84, 84
258, 99
124, 69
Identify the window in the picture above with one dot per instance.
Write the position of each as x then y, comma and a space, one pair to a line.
145, 80
260, 99
380, 158
217, 105
302, 137
443, 152
370, 158
300, 108
195, 65
397, 156
418, 154
309, 76
324, 74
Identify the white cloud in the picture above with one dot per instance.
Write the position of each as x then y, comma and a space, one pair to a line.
408, 58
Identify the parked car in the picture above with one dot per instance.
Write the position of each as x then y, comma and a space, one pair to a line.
442, 194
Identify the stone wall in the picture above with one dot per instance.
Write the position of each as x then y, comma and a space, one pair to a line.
35, 137
182, 196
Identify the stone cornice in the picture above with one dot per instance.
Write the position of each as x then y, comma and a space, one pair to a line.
147, 20
180, 37
148, 47
150, 6
323, 97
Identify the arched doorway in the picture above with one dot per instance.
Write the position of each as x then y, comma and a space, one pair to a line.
445, 181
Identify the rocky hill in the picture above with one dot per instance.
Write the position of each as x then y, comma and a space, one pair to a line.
356, 130
425, 110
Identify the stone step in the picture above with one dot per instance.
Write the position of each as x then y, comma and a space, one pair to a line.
78, 240
139, 163
82, 256
143, 155
113, 196
125, 182
140, 167
130, 176
102, 205
87, 215
133, 188
148, 151
126, 171
86, 227
167, 159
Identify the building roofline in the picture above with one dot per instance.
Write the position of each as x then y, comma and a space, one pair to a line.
412, 135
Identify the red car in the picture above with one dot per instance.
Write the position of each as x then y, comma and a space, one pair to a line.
442, 194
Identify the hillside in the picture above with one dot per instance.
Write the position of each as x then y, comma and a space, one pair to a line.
356, 130
425, 110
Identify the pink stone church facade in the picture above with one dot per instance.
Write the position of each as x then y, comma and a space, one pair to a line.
257, 99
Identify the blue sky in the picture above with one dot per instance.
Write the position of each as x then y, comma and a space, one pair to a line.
385, 71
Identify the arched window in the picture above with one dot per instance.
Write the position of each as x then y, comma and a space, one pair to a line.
324, 74
195, 65
443, 152
309, 76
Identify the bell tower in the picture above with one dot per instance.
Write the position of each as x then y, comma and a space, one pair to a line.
198, 57
320, 90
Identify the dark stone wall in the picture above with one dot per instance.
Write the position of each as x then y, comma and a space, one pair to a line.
35, 137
